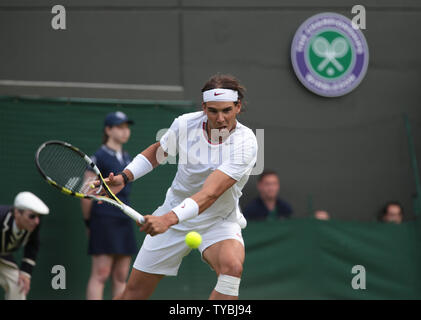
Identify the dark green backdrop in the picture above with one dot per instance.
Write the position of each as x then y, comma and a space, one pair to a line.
296, 259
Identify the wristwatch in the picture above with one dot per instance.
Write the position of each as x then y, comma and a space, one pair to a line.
126, 179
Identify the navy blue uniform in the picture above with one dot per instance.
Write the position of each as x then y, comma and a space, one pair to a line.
111, 231
256, 210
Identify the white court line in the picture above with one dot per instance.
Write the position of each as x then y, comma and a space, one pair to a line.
90, 85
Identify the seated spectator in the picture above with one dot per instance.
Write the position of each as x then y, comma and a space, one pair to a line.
391, 212
268, 205
322, 215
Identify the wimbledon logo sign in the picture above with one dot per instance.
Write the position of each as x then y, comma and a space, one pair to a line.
329, 57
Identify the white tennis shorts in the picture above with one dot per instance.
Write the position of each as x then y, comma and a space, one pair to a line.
163, 253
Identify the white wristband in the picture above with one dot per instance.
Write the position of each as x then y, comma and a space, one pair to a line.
186, 210
139, 166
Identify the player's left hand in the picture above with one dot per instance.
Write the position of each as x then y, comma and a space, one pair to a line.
154, 225
24, 283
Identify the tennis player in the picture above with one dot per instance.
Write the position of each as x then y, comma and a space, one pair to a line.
216, 156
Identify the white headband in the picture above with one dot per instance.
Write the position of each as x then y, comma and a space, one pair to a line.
220, 95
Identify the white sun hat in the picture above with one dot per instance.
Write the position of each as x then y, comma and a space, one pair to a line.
28, 201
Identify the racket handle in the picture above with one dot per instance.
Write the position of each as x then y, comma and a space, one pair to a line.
136, 216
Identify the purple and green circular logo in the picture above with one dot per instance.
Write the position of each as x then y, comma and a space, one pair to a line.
329, 56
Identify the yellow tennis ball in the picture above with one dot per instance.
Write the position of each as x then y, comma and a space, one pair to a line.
193, 239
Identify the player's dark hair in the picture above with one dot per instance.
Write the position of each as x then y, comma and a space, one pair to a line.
226, 81
383, 210
266, 173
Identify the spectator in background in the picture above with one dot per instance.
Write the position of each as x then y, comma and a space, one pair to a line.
322, 215
20, 225
391, 212
111, 235
268, 205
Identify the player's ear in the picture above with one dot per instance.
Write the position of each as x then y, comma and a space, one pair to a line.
238, 105
204, 106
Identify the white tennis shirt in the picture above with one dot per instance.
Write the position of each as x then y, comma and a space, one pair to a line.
198, 158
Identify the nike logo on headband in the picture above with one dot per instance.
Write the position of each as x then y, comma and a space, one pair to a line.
220, 94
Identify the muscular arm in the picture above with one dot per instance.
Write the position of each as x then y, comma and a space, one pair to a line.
149, 153
215, 185
152, 154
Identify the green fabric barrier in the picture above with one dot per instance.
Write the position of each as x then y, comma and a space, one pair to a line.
312, 259
26, 124
293, 259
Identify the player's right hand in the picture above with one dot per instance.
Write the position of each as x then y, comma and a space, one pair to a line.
154, 225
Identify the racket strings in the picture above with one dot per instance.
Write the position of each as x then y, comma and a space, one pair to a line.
64, 166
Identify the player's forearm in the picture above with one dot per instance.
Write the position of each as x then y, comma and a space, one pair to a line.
144, 162
151, 153
215, 185
204, 200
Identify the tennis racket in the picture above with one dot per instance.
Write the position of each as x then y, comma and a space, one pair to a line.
70, 170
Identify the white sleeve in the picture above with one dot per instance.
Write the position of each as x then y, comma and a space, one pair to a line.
242, 157
169, 140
